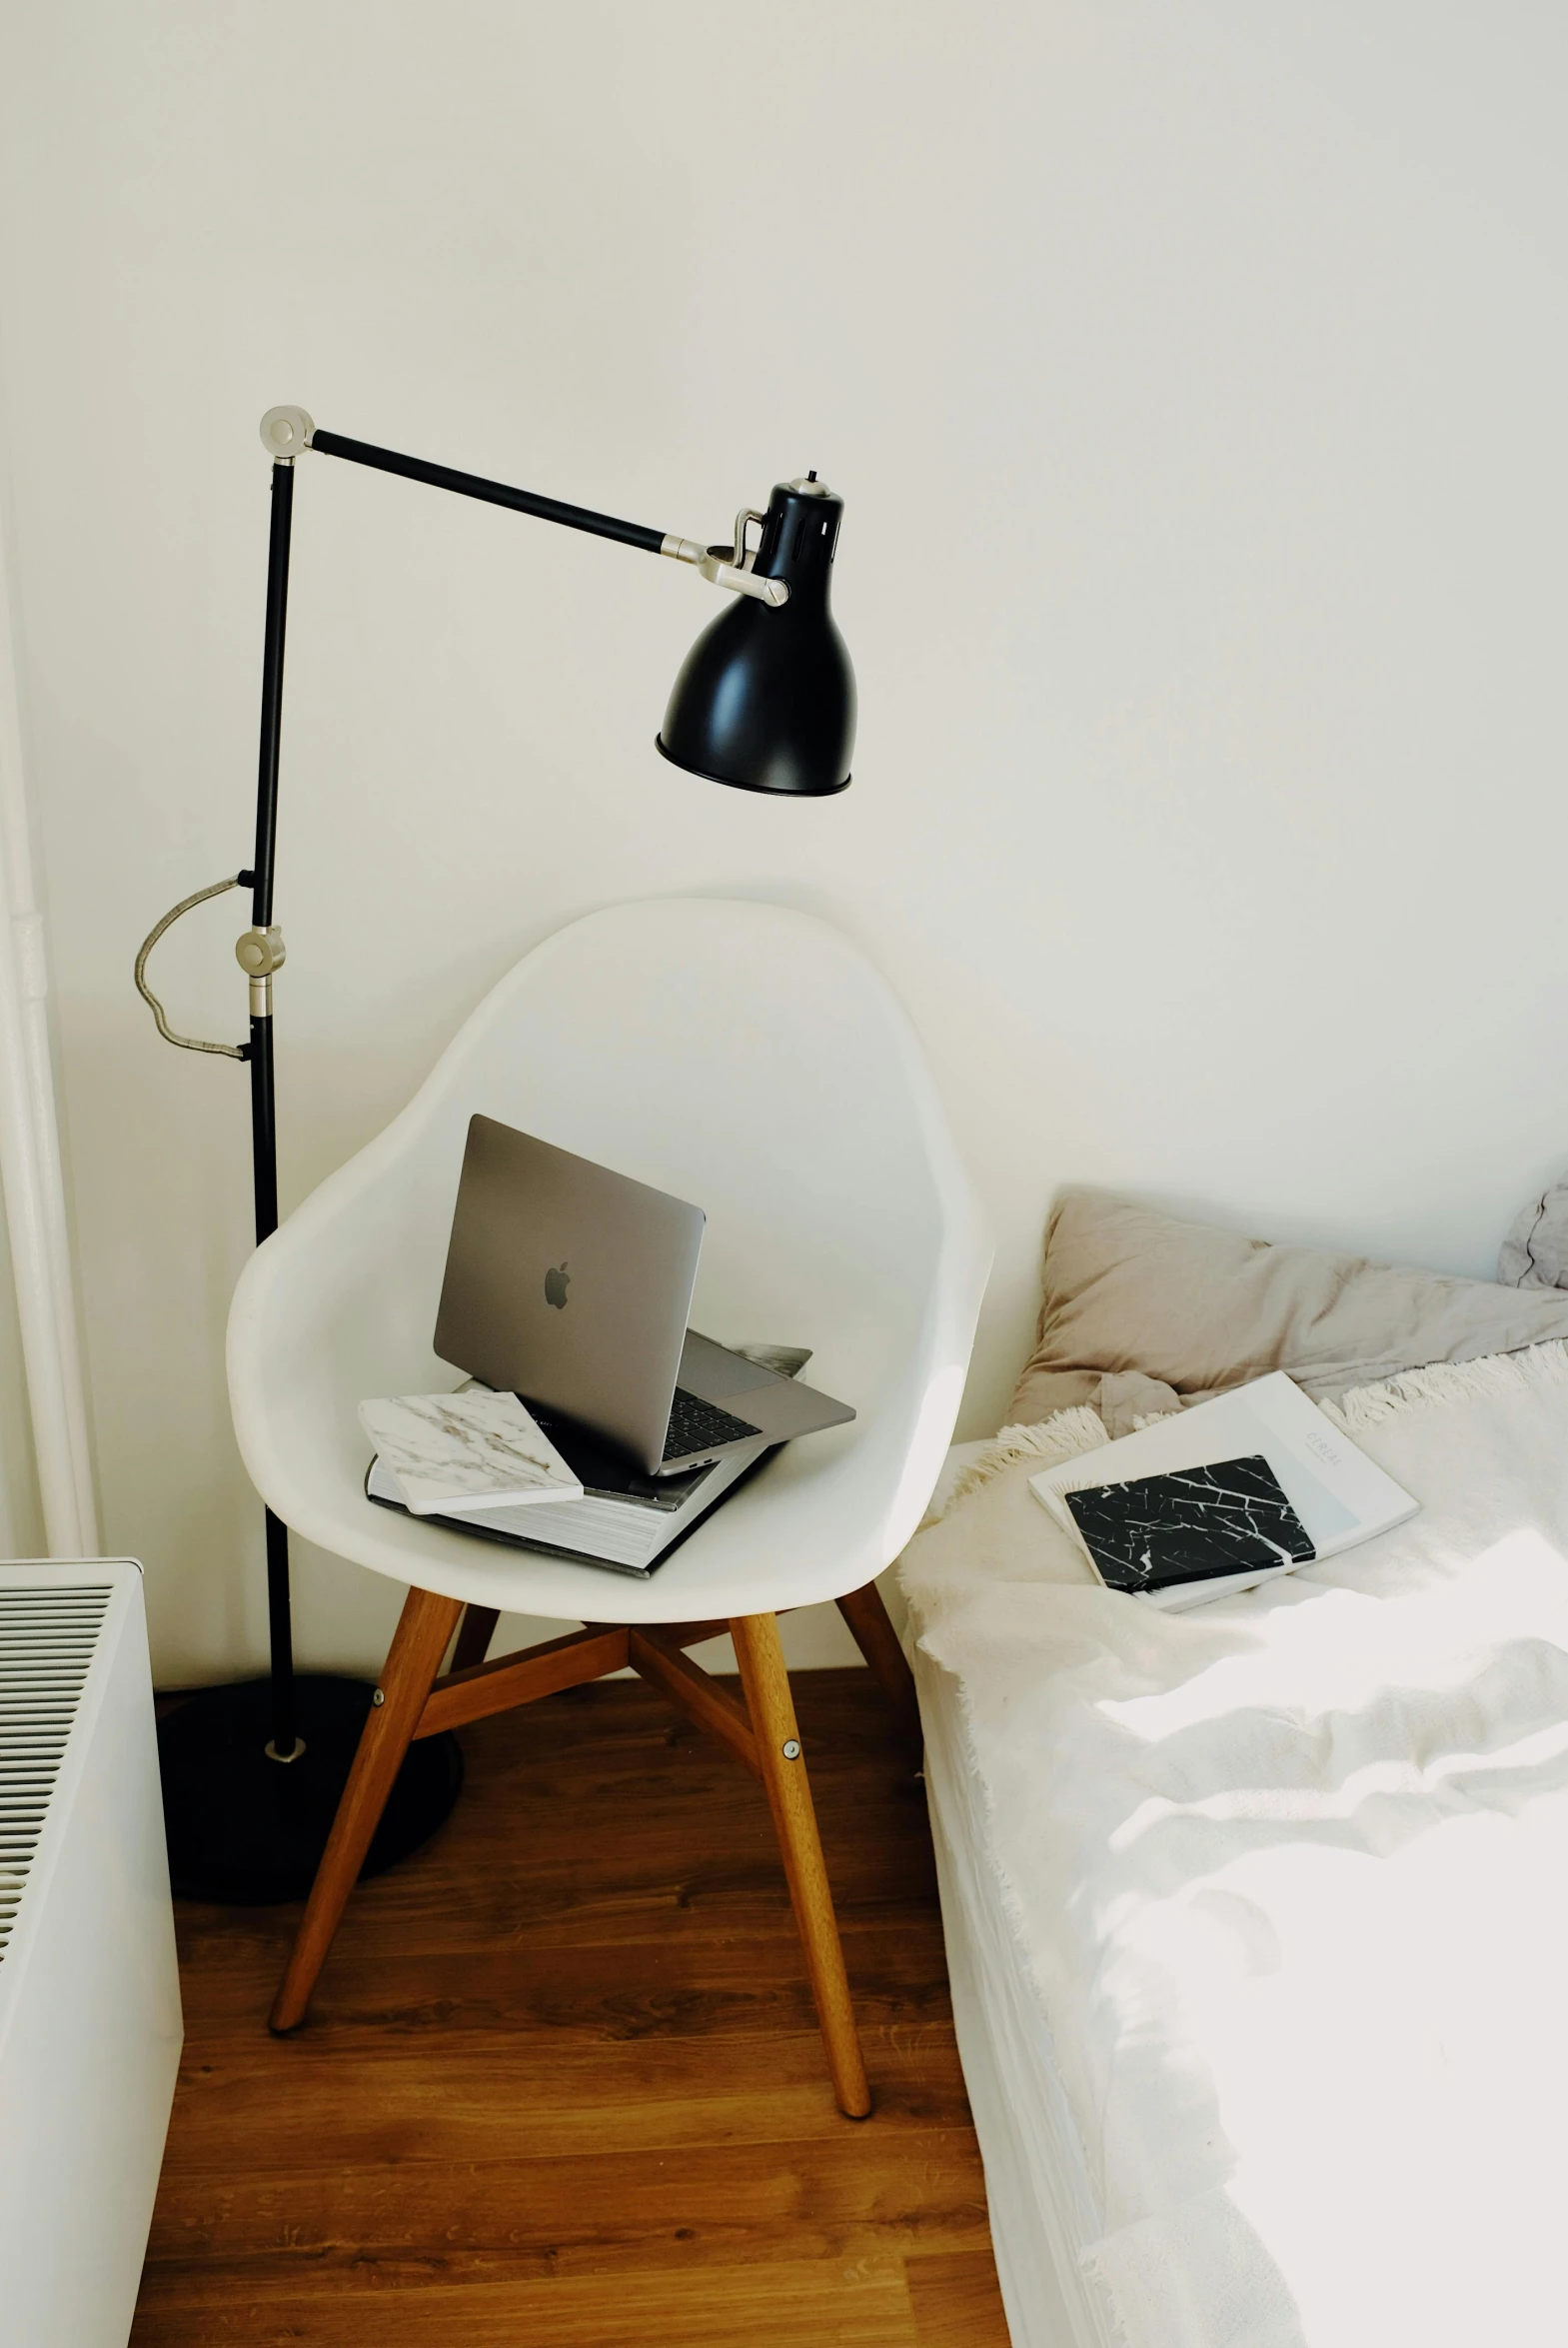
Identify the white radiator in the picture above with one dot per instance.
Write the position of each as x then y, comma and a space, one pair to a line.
89, 1995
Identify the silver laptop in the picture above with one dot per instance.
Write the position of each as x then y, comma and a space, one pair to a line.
569, 1286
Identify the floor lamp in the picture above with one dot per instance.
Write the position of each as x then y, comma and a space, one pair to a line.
765, 702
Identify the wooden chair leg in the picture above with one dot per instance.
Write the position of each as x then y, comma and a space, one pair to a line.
419, 1641
866, 1614
478, 1628
766, 1685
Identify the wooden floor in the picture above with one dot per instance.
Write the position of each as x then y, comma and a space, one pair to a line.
563, 2083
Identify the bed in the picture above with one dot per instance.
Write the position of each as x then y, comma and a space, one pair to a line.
1255, 1915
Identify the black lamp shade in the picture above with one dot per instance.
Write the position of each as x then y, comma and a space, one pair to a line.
766, 698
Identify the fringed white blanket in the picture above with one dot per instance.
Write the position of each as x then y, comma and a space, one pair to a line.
1291, 1876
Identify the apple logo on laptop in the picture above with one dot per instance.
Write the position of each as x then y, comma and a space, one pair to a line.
556, 1286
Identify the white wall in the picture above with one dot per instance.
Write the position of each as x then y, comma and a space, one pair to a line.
1195, 376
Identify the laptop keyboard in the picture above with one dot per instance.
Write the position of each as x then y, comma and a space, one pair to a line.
695, 1426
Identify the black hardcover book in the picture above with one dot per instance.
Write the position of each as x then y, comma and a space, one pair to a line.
522, 1541
1191, 1527
606, 1475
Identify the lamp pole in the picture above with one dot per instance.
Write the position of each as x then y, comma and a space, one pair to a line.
260, 952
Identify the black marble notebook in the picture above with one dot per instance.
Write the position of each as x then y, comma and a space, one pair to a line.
1205, 1522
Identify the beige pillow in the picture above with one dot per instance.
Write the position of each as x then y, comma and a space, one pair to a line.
1142, 1311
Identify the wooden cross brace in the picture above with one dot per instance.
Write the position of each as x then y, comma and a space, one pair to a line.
416, 1698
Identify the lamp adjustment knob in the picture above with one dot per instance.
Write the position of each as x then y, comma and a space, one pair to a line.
261, 952
285, 433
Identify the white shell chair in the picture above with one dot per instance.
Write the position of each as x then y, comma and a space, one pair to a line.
740, 1056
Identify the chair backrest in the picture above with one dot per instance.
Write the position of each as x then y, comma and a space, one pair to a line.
741, 1056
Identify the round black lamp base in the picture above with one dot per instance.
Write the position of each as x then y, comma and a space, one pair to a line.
249, 1831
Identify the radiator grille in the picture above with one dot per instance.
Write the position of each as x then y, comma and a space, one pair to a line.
47, 1642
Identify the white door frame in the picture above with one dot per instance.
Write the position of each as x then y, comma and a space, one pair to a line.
30, 1164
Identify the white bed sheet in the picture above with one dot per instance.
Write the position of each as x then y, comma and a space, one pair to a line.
1042, 2211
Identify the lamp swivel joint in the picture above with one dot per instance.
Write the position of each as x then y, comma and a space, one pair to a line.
729, 566
285, 432
259, 953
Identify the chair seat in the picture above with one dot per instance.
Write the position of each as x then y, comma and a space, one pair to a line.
741, 1056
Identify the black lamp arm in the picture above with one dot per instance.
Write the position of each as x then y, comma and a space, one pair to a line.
287, 431
494, 492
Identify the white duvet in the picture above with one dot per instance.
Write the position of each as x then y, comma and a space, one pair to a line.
1291, 1876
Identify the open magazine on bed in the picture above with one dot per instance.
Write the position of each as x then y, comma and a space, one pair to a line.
1221, 1498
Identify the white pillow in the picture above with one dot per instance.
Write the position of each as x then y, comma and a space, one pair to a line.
1142, 1311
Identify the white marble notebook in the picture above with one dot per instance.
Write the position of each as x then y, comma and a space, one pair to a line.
476, 1449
